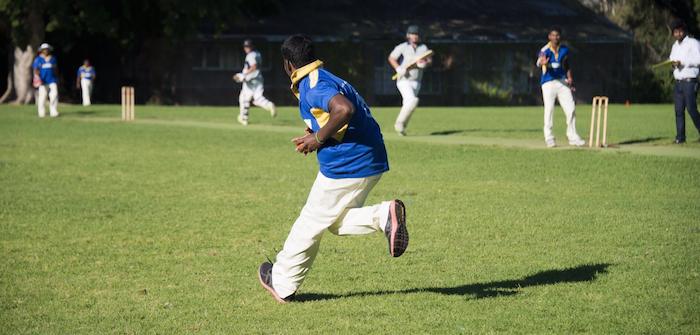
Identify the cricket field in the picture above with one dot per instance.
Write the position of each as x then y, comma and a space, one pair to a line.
157, 226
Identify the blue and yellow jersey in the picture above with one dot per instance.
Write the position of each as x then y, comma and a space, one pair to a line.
356, 150
554, 69
46, 68
86, 72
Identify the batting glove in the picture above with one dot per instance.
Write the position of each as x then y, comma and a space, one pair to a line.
400, 71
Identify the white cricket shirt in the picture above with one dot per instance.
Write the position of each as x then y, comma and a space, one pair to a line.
687, 51
408, 53
253, 58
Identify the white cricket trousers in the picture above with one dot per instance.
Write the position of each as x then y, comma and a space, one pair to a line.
86, 87
558, 90
253, 91
334, 205
53, 99
409, 93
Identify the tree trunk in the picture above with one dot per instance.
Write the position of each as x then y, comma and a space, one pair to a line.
22, 70
22, 66
8, 90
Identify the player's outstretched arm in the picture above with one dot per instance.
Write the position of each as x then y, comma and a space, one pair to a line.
341, 111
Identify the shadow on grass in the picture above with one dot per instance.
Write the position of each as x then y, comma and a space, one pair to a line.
643, 140
578, 274
475, 130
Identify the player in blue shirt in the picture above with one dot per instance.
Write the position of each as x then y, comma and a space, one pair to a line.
84, 81
352, 157
46, 80
557, 83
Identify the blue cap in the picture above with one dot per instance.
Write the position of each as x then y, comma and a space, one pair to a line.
413, 29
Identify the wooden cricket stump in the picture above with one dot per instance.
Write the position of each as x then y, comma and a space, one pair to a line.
127, 103
600, 105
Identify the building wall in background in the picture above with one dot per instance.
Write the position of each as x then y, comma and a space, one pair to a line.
462, 73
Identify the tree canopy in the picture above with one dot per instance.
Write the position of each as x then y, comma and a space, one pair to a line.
649, 20
124, 32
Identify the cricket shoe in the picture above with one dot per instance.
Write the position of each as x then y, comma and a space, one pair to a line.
395, 230
577, 143
242, 121
265, 277
273, 111
551, 144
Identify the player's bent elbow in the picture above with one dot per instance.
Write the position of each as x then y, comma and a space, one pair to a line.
347, 112
344, 112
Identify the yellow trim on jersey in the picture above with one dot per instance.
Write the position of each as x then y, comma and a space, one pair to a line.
322, 118
302, 72
556, 52
556, 55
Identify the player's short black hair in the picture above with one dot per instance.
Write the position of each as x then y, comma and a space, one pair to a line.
554, 28
298, 50
678, 24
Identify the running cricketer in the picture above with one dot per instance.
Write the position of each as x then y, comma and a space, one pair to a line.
352, 158
408, 81
46, 80
252, 80
557, 83
86, 77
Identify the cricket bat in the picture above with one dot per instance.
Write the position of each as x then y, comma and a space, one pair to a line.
662, 64
414, 62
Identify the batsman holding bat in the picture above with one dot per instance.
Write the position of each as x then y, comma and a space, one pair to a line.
252, 80
414, 57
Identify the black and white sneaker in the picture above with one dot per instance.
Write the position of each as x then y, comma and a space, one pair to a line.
265, 277
395, 229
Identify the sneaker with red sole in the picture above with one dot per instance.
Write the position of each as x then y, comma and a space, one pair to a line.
395, 230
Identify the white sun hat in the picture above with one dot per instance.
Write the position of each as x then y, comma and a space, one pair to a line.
45, 46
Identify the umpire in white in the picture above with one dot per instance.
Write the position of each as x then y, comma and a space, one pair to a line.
408, 81
685, 55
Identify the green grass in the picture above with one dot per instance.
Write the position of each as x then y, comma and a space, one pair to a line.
158, 226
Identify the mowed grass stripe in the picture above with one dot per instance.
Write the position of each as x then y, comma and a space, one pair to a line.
656, 150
